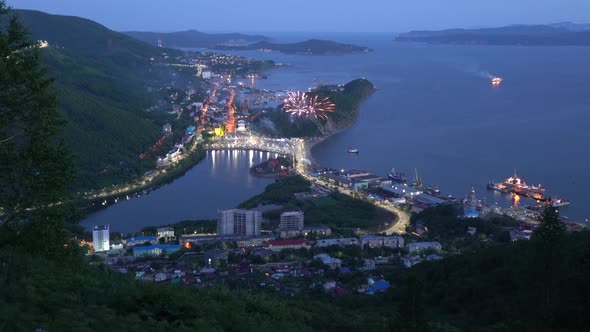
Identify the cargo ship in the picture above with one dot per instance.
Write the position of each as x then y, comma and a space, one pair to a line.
397, 176
515, 185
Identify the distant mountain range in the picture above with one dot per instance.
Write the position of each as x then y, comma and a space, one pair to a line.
571, 26
237, 41
308, 47
558, 34
194, 38
102, 79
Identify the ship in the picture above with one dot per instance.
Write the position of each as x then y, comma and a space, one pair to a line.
560, 202
515, 185
496, 81
353, 150
397, 176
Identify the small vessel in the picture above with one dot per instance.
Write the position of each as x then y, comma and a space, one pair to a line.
397, 176
560, 202
353, 150
496, 81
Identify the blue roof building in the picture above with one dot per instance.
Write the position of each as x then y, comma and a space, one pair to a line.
379, 286
139, 240
155, 250
471, 213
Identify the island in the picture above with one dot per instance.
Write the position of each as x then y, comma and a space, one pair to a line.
308, 47
559, 34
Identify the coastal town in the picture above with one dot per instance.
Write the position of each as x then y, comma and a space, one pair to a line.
159, 177
246, 249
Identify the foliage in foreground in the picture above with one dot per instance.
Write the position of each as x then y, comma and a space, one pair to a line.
539, 285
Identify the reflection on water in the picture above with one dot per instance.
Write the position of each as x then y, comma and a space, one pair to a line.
516, 199
219, 181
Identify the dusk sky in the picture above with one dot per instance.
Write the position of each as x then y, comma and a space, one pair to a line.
312, 15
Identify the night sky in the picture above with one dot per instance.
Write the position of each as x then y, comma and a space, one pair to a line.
313, 15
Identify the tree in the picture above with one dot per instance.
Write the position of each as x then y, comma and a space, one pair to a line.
545, 271
35, 169
411, 311
551, 228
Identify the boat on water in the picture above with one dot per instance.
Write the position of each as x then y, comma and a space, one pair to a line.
397, 176
515, 185
496, 81
560, 202
353, 150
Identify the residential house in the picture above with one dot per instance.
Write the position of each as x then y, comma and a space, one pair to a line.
332, 263
418, 247
278, 245
160, 276
212, 256
351, 241
140, 240
382, 241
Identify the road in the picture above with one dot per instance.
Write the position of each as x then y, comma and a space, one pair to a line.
299, 149
303, 157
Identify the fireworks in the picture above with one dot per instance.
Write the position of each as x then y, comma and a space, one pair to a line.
298, 104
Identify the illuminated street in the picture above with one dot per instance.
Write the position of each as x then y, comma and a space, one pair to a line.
299, 149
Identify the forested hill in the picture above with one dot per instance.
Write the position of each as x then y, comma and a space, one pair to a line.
81, 35
549, 35
307, 47
103, 79
194, 38
347, 99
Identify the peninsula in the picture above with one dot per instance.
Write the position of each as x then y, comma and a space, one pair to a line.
559, 34
346, 98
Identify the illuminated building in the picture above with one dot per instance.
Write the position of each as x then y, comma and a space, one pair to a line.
167, 233
155, 250
101, 238
238, 222
470, 205
140, 240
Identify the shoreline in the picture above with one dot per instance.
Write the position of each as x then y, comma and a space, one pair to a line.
322, 139
92, 205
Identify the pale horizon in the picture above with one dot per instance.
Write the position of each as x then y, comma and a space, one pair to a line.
266, 16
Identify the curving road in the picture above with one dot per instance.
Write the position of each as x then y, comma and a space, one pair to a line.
302, 155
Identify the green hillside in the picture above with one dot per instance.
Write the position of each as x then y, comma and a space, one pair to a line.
103, 81
81, 35
502, 288
193, 38
347, 101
